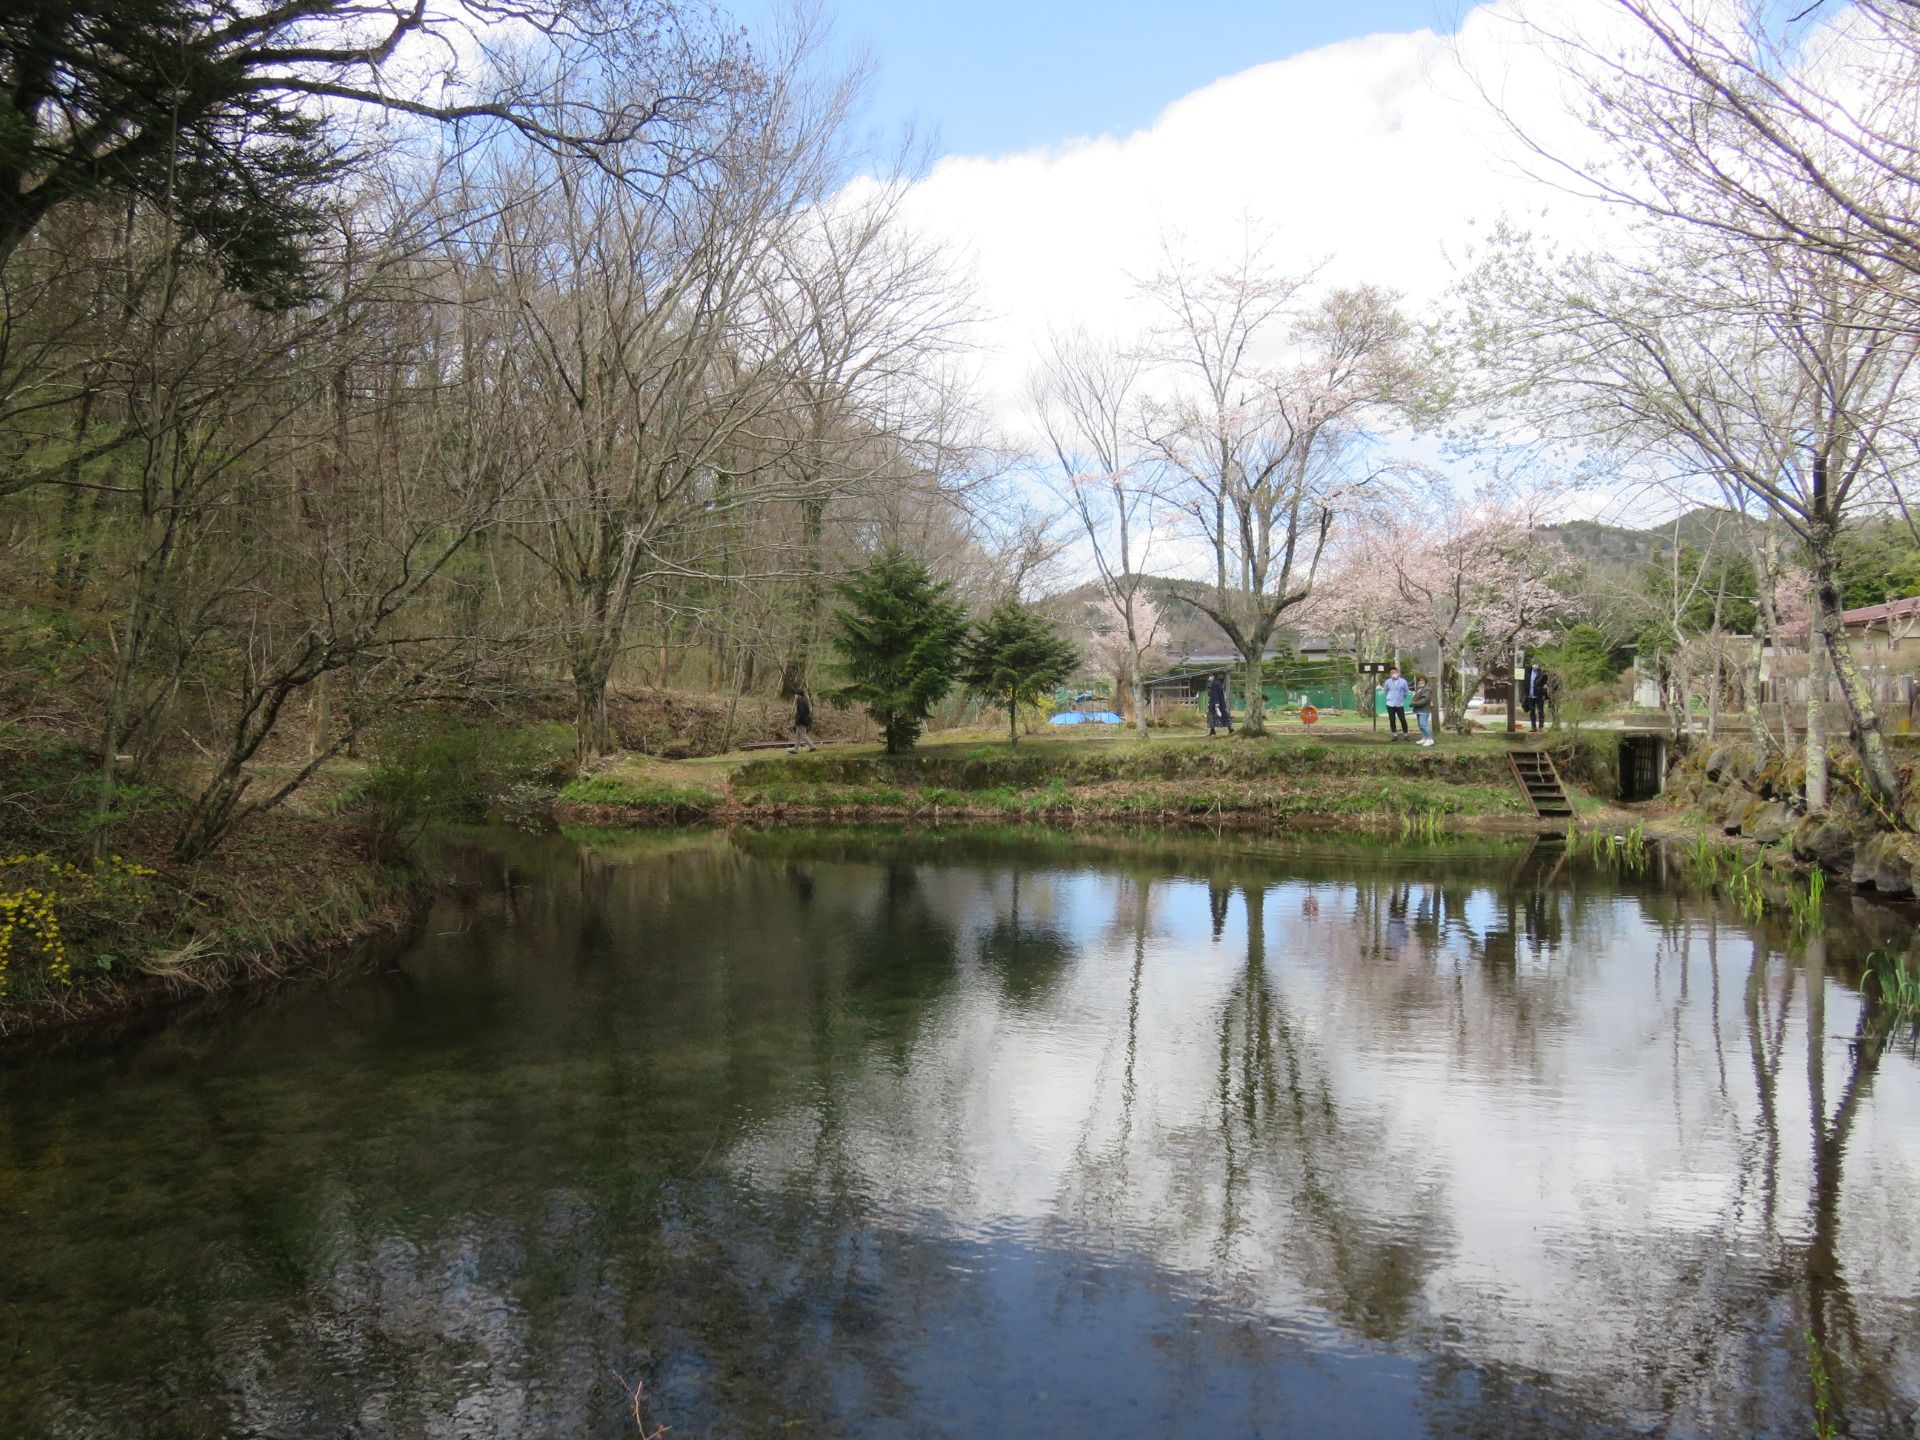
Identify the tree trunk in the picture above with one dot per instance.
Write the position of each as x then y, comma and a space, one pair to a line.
76, 532
1255, 722
592, 729
1513, 689
1863, 718
1816, 787
813, 594
212, 815
1756, 722
1013, 721
320, 709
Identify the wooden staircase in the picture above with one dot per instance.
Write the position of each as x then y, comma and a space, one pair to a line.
1541, 783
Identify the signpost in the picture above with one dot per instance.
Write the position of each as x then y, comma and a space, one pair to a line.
1375, 667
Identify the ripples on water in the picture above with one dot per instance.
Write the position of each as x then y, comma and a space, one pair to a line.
887, 1135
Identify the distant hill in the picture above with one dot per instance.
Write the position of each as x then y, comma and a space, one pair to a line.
1616, 547
1183, 629
1600, 547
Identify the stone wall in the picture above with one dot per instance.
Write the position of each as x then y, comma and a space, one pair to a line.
1727, 787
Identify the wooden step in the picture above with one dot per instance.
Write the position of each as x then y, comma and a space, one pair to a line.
1533, 771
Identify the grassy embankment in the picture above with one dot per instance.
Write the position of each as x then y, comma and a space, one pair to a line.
1347, 778
95, 918
98, 917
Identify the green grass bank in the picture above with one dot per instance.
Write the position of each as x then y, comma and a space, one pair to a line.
1267, 783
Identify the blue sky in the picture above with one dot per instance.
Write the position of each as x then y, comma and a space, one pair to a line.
991, 77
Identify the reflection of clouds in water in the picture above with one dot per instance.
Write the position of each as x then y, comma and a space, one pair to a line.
873, 1154
1517, 1094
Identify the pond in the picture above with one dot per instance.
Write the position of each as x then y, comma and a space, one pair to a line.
935, 1134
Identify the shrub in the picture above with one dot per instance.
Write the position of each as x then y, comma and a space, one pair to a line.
435, 768
48, 907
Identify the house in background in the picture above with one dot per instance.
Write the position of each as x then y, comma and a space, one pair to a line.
1884, 637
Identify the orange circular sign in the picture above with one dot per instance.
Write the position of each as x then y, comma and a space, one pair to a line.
1308, 714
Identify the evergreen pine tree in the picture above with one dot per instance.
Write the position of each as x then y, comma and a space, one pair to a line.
899, 641
1015, 656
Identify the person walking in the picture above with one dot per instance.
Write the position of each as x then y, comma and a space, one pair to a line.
1396, 696
1422, 702
1217, 713
802, 723
1536, 697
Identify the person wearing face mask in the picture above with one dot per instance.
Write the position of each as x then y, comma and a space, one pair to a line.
1396, 696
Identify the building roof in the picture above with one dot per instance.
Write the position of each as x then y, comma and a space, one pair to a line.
1885, 613
1891, 610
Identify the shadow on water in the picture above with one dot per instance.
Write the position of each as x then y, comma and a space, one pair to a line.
887, 1133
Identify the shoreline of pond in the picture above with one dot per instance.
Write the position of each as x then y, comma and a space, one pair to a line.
1270, 790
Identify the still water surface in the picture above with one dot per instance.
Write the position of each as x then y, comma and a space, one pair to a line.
883, 1135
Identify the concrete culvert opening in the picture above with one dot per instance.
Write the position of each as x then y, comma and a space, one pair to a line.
1643, 767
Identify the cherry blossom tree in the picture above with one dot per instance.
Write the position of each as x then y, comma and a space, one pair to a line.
1355, 601
1125, 648
1474, 580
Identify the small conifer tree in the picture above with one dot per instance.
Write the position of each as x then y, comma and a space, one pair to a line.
1015, 655
898, 639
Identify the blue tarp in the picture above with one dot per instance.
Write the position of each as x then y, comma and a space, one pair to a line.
1086, 717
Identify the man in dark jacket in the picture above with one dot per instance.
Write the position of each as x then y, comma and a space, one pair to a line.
1217, 714
802, 722
1536, 696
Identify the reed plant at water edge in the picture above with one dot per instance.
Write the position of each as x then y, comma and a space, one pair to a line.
1704, 858
1624, 850
1420, 825
1892, 979
1805, 901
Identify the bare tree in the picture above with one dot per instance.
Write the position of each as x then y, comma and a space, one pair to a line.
1764, 127
1778, 372
1082, 394
208, 113
647, 352
872, 312
1260, 452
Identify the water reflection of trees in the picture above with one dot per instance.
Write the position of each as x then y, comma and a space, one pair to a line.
1362, 1226
715, 1114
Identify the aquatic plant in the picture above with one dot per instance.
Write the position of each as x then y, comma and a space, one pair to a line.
1745, 890
1422, 824
1805, 900
1623, 850
1890, 977
1823, 1428
1704, 858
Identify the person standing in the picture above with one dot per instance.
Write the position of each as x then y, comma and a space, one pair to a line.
802, 723
1536, 696
1396, 696
1217, 713
1422, 702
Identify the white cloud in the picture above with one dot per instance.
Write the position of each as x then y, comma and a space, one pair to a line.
1376, 156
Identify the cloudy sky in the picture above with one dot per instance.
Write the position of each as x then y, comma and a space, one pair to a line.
1073, 141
